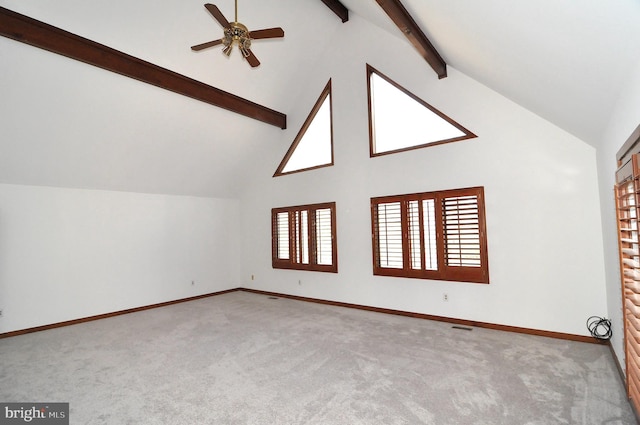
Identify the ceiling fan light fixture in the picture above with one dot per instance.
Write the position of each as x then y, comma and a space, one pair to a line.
236, 33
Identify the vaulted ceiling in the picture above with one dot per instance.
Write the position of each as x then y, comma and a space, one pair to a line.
566, 61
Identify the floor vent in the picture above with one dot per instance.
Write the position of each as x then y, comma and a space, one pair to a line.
462, 328
273, 298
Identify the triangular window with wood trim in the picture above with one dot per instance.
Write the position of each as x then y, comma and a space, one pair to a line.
313, 146
400, 121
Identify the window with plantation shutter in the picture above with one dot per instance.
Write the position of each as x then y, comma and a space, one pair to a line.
433, 235
390, 235
462, 231
627, 191
304, 237
324, 237
282, 235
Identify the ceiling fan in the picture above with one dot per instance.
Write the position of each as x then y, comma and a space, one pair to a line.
238, 34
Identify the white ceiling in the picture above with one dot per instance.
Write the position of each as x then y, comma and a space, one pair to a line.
565, 60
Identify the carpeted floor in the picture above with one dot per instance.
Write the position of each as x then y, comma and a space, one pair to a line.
243, 358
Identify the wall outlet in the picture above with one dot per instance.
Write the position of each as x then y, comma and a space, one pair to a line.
0, 312
445, 297
299, 282
252, 277
193, 282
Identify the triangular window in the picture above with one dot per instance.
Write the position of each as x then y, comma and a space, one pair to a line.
313, 146
399, 120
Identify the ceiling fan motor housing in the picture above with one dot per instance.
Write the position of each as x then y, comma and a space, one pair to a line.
238, 33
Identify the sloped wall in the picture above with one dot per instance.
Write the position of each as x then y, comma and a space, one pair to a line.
83, 150
542, 201
72, 253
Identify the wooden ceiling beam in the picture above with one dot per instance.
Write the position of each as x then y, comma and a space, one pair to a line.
39, 34
403, 20
338, 8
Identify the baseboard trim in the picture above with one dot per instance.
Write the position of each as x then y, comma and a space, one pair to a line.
549, 334
113, 314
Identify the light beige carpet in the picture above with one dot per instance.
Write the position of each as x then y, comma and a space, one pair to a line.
243, 358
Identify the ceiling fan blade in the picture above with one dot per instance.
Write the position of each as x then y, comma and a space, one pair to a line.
267, 33
199, 47
252, 59
213, 9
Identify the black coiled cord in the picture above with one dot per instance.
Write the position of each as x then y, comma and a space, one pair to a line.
599, 327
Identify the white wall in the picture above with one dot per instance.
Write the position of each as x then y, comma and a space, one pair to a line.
542, 201
70, 253
624, 120
73, 253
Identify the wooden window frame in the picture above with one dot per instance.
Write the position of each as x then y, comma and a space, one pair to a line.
445, 270
627, 198
309, 237
326, 93
372, 140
